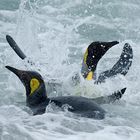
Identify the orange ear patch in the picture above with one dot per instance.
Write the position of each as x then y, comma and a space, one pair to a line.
34, 85
85, 56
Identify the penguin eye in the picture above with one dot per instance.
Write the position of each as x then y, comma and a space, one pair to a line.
34, 85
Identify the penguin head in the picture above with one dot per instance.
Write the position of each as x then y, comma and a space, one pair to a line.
93, 54
33, 82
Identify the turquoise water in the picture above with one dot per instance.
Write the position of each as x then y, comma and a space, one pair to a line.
54, 35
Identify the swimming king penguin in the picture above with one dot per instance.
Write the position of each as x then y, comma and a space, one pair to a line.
37, 100
93, 54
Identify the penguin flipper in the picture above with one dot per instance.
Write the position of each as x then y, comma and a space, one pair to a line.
111, 98
15, 47
121, 67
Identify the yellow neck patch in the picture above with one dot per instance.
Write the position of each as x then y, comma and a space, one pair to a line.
85, 56
89, 76
34, 84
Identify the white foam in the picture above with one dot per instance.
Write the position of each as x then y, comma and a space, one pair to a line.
55, 35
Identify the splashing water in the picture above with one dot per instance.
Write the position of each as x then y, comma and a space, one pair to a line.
54, 35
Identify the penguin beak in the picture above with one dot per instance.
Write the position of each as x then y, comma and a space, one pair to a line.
14, 70
22, 75
107, 45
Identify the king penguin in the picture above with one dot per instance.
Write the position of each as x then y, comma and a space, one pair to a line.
93, 54
95, 51
37, 99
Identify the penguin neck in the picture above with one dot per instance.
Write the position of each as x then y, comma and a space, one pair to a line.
88, 72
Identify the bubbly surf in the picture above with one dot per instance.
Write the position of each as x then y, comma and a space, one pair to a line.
54, 35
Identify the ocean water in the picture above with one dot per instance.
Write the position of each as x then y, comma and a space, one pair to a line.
54, 34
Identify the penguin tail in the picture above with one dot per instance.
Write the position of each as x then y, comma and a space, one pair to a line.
110, 98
